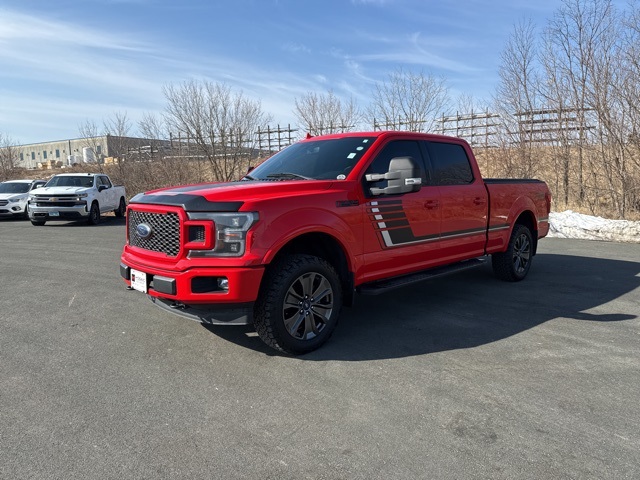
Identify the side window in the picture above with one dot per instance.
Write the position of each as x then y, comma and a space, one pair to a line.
450, 164
105, 181
397, 148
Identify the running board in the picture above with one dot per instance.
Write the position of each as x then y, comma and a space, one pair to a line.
382, 286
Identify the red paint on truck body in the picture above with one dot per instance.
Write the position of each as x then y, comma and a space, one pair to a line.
377, 236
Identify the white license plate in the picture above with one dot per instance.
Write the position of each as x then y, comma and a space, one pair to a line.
139, 281
54, 214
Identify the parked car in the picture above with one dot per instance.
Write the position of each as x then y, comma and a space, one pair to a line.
14, 195
76, 196
323, 219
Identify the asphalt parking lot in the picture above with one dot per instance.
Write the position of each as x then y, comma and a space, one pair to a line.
464, 377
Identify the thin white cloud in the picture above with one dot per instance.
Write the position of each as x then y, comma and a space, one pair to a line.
76, 72
16, 26
296, 48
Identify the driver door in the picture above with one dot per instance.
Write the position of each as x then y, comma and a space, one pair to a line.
401, 232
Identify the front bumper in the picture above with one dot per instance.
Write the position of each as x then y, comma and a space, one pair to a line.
196, 293
12, 209
54, 213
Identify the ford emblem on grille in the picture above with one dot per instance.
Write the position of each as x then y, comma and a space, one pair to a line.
144, 231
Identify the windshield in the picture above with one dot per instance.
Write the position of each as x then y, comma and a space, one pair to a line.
14, 187
71, 181
314, 160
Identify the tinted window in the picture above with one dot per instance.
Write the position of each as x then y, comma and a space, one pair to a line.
104, 181
398, 148
450, 164
11, 187
71, 181
314, 159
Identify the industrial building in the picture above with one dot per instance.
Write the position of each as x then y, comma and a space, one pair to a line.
100, 149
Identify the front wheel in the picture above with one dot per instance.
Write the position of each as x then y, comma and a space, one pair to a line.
299, 303
94, 214
38, 223
514, 264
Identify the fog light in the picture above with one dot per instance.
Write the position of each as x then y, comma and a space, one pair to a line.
223, 283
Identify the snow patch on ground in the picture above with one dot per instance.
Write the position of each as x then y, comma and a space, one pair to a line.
570, 224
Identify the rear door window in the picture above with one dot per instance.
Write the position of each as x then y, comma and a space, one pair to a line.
450, 164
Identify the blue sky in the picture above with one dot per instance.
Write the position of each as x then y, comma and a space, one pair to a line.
67, 61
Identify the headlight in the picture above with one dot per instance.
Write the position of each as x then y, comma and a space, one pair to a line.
82, 195
230, 233
13, 200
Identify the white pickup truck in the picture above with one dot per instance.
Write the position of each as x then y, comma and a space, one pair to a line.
76, 196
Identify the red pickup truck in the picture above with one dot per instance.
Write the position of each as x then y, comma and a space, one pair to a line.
288, 245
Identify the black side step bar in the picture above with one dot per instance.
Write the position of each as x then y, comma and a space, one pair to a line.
382, 286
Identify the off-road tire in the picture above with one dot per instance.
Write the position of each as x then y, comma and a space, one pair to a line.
287, 320
513, 265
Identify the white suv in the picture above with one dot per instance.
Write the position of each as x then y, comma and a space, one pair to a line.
14, 195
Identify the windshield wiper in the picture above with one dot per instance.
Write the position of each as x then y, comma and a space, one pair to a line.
288, 176
247, 177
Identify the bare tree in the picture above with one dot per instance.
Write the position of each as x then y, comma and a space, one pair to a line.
408, 101
219, 125
556, 92
153, 126
89, 133
170, 165
8, 157
118, 127
626, 90
321, 114
517, 101
575, 36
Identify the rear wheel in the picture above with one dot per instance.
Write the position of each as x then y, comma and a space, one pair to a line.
514, 264
299, 303
122, 208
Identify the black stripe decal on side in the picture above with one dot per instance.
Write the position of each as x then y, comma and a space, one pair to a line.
374, 217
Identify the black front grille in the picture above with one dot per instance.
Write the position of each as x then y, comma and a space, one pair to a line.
59, 204
164, 234
65, 197
4, 202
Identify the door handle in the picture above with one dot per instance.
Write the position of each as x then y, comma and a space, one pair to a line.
431, 204
479, 201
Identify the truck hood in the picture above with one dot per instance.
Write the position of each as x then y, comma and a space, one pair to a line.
13, 196
229, 197
59, 190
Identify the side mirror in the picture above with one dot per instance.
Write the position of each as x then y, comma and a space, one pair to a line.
403, 177
102, 187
